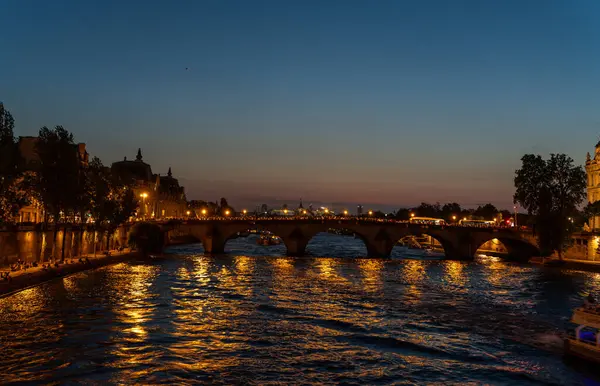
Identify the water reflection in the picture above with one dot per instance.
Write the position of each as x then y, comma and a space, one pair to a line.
245, 318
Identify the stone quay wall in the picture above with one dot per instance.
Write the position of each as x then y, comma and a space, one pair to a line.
33, 243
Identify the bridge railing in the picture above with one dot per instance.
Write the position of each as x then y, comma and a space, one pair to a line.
353, 219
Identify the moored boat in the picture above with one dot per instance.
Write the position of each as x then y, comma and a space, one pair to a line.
268, 240
585, 344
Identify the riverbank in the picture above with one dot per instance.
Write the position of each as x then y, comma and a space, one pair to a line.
20, 280
572, 264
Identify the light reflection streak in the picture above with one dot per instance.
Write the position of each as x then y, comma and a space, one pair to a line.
371, 272
455, 276
413, 273
133, 310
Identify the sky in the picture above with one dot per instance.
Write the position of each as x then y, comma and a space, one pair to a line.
382, 103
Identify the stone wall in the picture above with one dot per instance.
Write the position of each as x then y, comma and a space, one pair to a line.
31, 243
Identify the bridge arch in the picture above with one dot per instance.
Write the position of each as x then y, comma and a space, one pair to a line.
355, 244
424, 237
517, 248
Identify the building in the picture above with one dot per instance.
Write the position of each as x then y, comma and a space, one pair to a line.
159, 197
28, 151
592, 168
172, 202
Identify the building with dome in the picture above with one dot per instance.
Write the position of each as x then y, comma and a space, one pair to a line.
160, 197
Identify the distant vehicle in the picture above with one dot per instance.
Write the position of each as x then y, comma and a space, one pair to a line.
427, 221
477, 223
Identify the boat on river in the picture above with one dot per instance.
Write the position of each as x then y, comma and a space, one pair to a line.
585, 344
268, 240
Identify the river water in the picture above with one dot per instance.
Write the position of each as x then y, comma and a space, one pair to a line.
254, 316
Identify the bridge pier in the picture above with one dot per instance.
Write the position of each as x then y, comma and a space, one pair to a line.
461, 252
295, 247
213, 245
378, 249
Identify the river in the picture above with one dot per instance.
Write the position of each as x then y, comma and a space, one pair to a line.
255, 316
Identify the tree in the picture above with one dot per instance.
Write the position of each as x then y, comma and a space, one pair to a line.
112, 202
58, 176
13, 195
550, 190
402, 214
451, 209
224, 207
429, 210
591, 213
487, 212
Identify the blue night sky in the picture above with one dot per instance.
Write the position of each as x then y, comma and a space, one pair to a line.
373, 102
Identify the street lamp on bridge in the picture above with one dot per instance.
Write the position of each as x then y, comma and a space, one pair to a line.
143, 196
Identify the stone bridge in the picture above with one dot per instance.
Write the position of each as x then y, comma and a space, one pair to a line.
379, 237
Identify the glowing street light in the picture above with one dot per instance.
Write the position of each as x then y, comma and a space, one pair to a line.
188, 212
453, 218
326, 210
285, 211
227, 212
204, 212
345, 213
244, 211
370, 213
412, 215
143, 196
304, 211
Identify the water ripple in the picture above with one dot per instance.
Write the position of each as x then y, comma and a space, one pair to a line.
253, 317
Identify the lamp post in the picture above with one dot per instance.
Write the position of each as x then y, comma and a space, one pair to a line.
143, 196
515, 207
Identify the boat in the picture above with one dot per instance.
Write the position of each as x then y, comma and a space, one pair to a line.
585, 344
268, 240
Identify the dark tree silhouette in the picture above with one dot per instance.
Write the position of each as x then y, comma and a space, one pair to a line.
12, 182
59, 175
402, 214
486, 212
550, 190
451, 209
59, 171
428, 210
224, 207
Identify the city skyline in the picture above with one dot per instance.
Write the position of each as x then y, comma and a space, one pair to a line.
385, 105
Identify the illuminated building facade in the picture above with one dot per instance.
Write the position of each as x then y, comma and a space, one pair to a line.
592, 168
159, 197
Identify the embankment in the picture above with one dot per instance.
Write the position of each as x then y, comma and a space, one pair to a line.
34, 276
